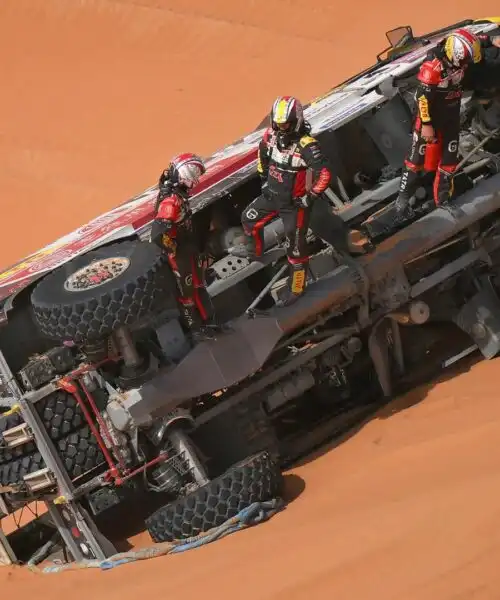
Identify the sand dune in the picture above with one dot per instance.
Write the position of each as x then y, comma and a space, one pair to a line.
96, 96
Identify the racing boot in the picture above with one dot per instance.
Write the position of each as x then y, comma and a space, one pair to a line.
202, 334
297, 283
193, 321
214, 325
208, 328
402, 208
443, 186
410, 177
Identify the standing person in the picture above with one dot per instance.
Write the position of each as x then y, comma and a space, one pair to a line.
174, 232
286, 152
436, 127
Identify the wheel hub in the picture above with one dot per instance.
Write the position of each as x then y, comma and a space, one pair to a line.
96, 274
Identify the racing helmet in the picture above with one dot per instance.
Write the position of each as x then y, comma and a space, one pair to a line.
462, 47
184, 170
287, 117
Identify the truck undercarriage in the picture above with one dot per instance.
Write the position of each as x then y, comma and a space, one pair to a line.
104, 394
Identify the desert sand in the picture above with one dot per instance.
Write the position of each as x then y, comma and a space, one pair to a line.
96, 97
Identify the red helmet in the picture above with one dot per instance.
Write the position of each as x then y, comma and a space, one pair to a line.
287, 115
185, 170
462, 47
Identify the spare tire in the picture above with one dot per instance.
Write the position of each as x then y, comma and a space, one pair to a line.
88, 298
79, 452
60, 414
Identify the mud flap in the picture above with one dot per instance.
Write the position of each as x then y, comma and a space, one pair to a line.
378, 347
211, 366
480, 318
384, 346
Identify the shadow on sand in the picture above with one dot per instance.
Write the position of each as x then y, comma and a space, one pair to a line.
415, 390
124, 522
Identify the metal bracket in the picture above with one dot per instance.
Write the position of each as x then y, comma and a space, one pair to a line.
17, 436
7, 556
74, 524
79, 532
9, 382
39, 480
392, 290
461, 263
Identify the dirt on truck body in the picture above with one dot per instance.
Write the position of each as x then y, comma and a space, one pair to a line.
92, 339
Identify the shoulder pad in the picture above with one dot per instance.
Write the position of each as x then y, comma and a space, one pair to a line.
430, 72
306, 140
168, 208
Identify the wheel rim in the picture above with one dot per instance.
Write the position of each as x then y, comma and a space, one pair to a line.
96, 274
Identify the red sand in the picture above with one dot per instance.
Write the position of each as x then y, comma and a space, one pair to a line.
96, 96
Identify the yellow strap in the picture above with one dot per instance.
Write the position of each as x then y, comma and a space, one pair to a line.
12, 411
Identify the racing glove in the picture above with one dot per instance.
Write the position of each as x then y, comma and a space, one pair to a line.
306, 201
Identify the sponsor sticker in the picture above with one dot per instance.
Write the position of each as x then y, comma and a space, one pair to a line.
298, 281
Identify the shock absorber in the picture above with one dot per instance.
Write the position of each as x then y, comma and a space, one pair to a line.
127, 349
184, 467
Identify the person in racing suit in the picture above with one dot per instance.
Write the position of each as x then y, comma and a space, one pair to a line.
437, 122
286, 152
174, 232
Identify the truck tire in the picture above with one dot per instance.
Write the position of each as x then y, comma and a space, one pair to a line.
255, 479
241, 431
89, 297
79, 452
60, 415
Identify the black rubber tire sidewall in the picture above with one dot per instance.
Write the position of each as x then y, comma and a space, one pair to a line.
60, 415
240, 431
93, 314
79, 452
256, 479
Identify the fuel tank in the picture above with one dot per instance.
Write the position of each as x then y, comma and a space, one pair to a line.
234, 356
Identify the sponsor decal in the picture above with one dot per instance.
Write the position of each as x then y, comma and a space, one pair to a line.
168, 242
275, 174
335, 117
298, 281
423, 106
28, 262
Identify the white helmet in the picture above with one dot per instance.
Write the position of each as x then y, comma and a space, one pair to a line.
186, 170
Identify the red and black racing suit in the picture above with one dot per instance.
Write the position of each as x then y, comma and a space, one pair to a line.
438, 97
173, 231
284, 169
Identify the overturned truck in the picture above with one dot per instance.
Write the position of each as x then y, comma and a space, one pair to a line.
105, 395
